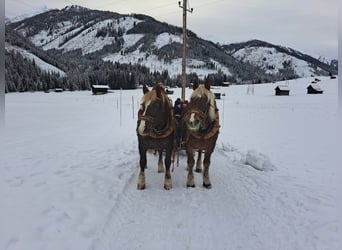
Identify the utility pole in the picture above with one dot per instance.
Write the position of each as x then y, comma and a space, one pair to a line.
185, 10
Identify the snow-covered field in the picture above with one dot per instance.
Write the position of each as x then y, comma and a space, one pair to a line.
70, 166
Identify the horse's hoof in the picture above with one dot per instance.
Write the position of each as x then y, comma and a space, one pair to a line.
141, 186
161, 170
198, 170
208, 186
167, 184
190, 185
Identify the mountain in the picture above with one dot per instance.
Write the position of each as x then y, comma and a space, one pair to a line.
276, 59
102, 47
34, 11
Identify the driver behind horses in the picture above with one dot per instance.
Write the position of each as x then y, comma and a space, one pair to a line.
178, 110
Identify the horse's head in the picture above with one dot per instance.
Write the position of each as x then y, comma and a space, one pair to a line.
199, 115
154, 113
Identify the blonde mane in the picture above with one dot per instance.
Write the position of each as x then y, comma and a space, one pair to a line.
201, 91
152, 95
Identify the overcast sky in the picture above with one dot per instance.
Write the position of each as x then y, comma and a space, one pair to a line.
310, 26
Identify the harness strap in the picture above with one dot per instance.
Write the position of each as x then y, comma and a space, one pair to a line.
168, 130
215, 129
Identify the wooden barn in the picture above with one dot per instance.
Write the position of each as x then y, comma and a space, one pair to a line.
58, 90
226, 84
314, 88
282, 90
169, 91
217, 95
99, 89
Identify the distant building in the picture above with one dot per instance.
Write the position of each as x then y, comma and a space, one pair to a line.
282, 90
99, 89
314, 88
169, 91
58, 90
217, 95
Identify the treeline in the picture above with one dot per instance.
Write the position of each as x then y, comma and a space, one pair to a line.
22, 74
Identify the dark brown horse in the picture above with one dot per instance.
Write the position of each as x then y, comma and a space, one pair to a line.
155, 130
201, 120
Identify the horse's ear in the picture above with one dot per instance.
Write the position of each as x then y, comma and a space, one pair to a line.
195, 85
207, 84
158, 90
145, 89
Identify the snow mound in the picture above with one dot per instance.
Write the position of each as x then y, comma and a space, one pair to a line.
259, 161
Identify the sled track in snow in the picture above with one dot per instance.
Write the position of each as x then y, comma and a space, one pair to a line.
120, 202
135, 210
235, 210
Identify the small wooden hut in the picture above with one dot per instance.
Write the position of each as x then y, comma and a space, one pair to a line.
58, 90
99, 89
169, 91
217, 95
314, 88
282, 90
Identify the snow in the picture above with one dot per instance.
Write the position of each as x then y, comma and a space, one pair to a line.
70, 167
259, 161
269, 57
100, 86
86, 40
316, 86
39, 62
165, 39
174, 67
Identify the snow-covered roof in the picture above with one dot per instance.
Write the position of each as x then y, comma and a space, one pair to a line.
315, 86
100, 86
283, 87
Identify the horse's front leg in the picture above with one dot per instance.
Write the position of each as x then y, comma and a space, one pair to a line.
206, 163
190, 154
160, 162
199, 162
167, 181
141, 178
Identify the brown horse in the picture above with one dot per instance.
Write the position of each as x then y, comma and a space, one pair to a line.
201, 120
155, 130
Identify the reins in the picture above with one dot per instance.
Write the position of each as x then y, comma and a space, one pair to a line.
210, 130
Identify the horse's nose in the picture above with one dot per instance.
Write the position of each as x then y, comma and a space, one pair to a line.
194, 123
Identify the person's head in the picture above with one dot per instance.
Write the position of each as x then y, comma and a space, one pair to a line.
185, 103
178, 102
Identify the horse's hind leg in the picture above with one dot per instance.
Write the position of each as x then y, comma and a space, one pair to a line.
160, 162
167, 181
199, 162
141, 178
190, 181
206, 163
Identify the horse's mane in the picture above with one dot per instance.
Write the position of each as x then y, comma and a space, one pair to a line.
152, 95
202, 91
